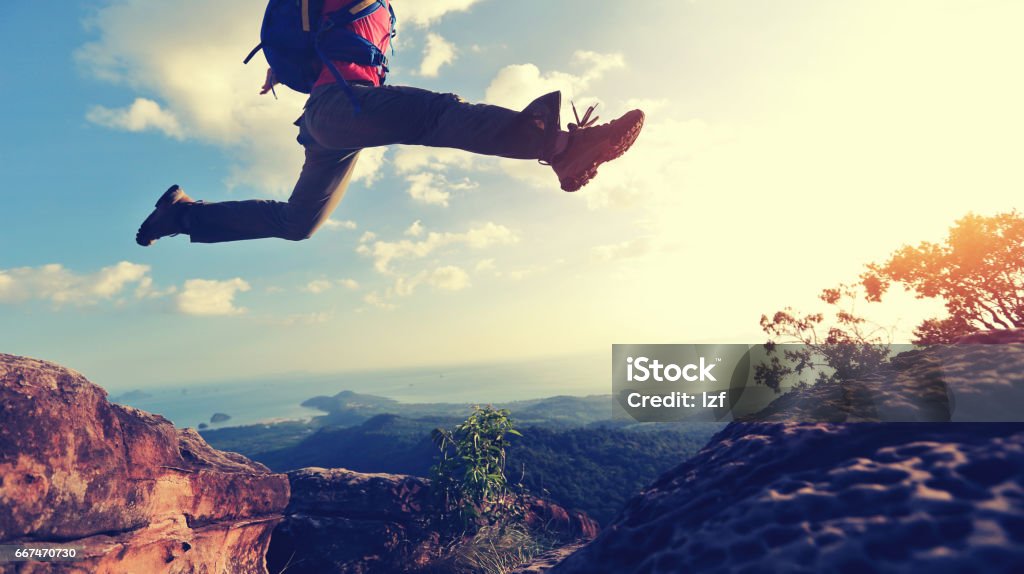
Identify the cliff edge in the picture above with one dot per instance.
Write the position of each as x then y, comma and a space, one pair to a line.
124, 487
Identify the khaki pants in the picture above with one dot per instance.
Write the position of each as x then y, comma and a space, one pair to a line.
332, 136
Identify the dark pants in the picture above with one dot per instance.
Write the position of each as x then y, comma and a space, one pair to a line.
332, 136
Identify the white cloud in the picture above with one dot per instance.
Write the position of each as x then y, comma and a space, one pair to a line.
425, 12
344, 224
318, 286
485, 265
369, 165
304, 319
61, 286
415, 230
444, 278
206, 297
437, 53
424, 169
419, 158
449, 278
377, 300
628, 249
143, 115
517, 85
147, 290
524, 272
428, 188
434, 188
385, 253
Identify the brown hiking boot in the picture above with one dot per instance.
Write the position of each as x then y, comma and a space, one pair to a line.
590, 146
165, 219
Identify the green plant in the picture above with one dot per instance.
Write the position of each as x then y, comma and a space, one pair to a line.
469, 476
849, 346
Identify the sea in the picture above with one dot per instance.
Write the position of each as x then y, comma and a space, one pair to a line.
279, 398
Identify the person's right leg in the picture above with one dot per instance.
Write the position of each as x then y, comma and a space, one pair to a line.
412, 116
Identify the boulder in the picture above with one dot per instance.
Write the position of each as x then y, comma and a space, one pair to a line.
344, 521
854, 497
124, 487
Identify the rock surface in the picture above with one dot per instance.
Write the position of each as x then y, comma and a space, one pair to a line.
854, 497
344, 521
978, 379
127, 489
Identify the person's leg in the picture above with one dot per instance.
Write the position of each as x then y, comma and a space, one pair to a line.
406, 115
325, 176
321, 185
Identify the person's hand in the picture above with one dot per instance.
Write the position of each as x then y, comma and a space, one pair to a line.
270, 82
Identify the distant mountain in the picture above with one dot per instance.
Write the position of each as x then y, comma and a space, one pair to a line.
129, 396
594, 468
218, 418
349, 408
572, 449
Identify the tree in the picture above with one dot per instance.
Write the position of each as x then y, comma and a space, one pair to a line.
469, 476
978, 271
850, 346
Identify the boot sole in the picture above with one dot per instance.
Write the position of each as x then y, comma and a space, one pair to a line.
169, 197
625, 141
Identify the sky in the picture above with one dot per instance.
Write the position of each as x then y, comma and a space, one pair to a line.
787, 144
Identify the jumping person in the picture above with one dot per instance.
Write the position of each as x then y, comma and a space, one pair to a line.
349, 108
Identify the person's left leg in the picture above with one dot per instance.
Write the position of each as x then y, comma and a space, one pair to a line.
321, 185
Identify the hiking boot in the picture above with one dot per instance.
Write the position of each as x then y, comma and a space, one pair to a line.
165, 219
590, 146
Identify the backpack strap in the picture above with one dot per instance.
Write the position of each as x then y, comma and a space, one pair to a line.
354, 11
253, 53
356, 108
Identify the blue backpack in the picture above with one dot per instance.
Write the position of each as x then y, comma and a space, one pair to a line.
296, 40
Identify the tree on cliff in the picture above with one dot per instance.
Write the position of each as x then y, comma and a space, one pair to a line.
978, 272
847, 344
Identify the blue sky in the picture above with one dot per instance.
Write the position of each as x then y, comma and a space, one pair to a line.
839, 130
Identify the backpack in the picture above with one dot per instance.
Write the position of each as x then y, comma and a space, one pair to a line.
295, 39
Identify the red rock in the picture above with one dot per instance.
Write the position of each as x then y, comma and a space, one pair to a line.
344, 521
130, 491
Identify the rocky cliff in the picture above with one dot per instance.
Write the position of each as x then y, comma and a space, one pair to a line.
358, 523
777, 497
133, 494
128, 490
854, 497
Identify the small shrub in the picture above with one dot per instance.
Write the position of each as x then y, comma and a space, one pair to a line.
848, 345
469, 477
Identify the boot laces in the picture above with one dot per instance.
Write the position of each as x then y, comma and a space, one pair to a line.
586, 121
